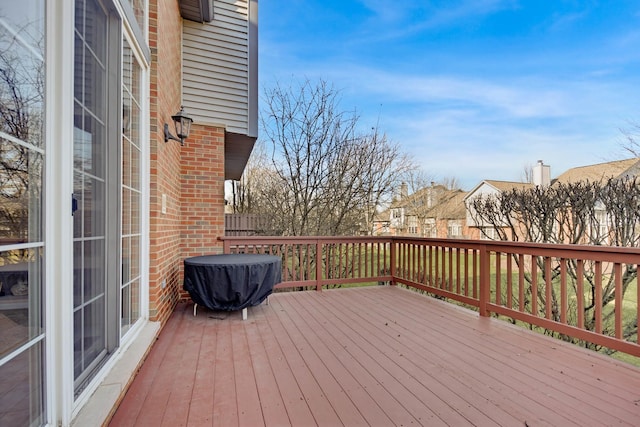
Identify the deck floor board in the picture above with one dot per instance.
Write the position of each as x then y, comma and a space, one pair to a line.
371, 356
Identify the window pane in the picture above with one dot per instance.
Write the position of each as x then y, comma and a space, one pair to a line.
78, 69
130, 305
20, 194
139, 11
131, 196
21, 211
92, 208
135, 168
26, 17
94, 330
94, 84
20, 298
126, 260
135, 212
94, 269
135, 257
126, 211
22, 65
125, 318
95, 28
22, 389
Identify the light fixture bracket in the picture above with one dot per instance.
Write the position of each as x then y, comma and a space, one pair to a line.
168, 135
182, 124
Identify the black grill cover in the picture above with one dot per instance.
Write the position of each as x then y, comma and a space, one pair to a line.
231, 281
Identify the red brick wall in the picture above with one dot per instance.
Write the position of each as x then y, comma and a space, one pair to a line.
190, 176
165, 33
202, 198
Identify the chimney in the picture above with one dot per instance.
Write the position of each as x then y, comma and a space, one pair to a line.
541, 174
404, 190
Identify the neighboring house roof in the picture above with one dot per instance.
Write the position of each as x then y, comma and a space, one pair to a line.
446, 205
507, 185
383, 216
600, 171
499, 186
420, 197
429, 202
450, 206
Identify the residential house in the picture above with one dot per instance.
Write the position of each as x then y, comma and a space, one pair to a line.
488, 187
105, 199
433, 211
541, 176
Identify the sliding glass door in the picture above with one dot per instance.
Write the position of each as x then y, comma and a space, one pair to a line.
96, 187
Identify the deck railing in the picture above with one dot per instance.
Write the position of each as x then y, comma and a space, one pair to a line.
584, 294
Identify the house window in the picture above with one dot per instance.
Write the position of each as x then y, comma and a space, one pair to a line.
22, 156
412, 225
454, 229
430, 229
488, 233
601, 226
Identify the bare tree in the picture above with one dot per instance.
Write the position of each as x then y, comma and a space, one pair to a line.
244, 191
450, 183
631, 143
527, 173
324, 176
21, 121
595, 213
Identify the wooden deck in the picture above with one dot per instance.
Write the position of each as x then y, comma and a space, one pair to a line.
376, 356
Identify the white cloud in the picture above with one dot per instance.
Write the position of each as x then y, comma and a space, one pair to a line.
478, 128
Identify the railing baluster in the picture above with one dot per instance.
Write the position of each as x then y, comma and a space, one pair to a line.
485, 277
598, 297
392, 257
521, 269
617, 269
476, 254
318, 265
534, 285
509, 281
547, 287
498, 256
580, 292
465, 254
450, 281
564, 298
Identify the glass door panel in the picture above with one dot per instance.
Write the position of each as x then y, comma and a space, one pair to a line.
131, 191
22, 155
90, 190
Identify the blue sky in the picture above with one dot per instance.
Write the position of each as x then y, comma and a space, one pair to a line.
472, 89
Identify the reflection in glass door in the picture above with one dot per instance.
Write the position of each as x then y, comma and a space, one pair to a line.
22, 155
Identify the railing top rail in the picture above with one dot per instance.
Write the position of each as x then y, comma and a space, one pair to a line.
551, 249
303, 239
524, 247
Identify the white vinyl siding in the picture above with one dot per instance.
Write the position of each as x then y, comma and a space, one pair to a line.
217, 61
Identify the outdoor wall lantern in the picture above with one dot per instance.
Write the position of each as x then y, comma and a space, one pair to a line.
182, 123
